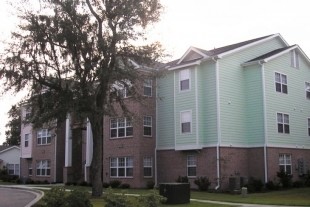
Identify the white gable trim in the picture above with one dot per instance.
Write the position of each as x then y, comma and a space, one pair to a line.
10, 148
191, 49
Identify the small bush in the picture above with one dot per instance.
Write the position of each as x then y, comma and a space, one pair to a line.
270, 185
182, 179
150, 184
78, 199
124, 186
105, 185
255, 185
203, 183
285, 179
307, 179
298, 184
83, 183
151, 200
116, 200
55, 197
115, 183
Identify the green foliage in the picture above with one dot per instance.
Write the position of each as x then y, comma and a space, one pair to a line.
255, 185
14, 126
182, 179
115, 183
58, 197
285, 179
270, 185
150, 184
151, 199
116, 200
124, 186
307, 179
203, 183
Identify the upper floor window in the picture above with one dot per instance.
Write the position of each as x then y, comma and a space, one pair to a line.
184, 80
147, 126
43, 168
191, 165
307, 88
147, 88
147, 167
285, 163
294, 59
121, 127
43, 137
186, 120
122, 88
121, 167
281, 83
283, 123
26, 140
27, 114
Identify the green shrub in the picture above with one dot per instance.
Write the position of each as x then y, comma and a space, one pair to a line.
105, 185
150, 184
270, 185
115, 183
285, 179
203, 183
255, 185
78, 199
151, 200
124, 186
298, 184
56, 197
182, 179
116, 200
307, 179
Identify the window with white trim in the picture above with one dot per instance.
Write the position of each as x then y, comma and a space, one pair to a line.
308, 126
30, 169
186, 120
26, 140
184, 79
43, 137
43, 168
285, 163
121, 127
147, 126
121, 167
294, 59
191, 165
147, 88
281, 82
13, 169
122, 88
283, 123
307, 89
147, 167
27, 114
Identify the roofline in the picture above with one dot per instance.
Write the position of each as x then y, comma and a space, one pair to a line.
252, 44
188, 51
9, 149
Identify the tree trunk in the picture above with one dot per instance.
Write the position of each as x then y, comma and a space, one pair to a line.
96, 168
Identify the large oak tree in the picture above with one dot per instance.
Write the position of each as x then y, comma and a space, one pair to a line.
71, 53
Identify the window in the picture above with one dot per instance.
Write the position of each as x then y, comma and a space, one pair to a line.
121, 127
26, 140
308, 126
186, 119
281, 83
191, 165
307, 84
122, 88
43, 137
184, 80
28, 114
283, 123
147, 166
13, 169
43, 168
30, 169
285, 163
147, 88
121, 167
147, 126
294, 59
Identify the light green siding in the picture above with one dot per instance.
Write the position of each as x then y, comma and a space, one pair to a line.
233, 93
165, 112
294, 103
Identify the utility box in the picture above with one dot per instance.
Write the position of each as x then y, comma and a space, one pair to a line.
244, 191
176, 193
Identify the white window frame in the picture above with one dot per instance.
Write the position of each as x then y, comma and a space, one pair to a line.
27, 114
121, 124
43, 168
26, 142
191, 164
148, 167
282, 82
121, 163
185, 75
285, 163
44, 137
294, 59
307, 89
30, 171
12, 169
184, 120
284, 121
147, 124
147, 87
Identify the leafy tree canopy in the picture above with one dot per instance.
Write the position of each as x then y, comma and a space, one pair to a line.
12, 134
70, 53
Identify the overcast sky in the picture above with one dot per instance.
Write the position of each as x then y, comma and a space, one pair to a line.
206, 24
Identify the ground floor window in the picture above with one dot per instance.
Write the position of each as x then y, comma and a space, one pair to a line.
147, 166
121, 167
43, 168
13, 169
285, 163
191, 165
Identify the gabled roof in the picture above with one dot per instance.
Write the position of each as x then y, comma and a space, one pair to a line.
202, 55
7, 148
275, 53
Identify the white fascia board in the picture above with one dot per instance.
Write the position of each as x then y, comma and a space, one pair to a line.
185, 65
188, 51
10, 148
252, 44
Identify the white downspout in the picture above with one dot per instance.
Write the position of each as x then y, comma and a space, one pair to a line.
55, 168
89, 147
265, 124
218, 125
156, 114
